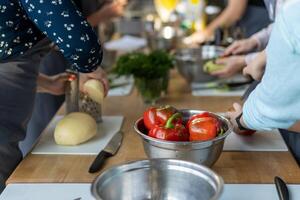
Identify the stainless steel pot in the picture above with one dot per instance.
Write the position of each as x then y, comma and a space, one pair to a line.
165, 39
158, 179
109, 59
190, 62
201, 152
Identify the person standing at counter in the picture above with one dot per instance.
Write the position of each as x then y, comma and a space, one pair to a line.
274, 104
250, 15
25, 29
46, 105
243, 52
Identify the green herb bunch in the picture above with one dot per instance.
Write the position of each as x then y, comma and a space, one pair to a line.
149, 66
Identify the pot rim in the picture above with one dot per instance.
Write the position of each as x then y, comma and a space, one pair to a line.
218, 182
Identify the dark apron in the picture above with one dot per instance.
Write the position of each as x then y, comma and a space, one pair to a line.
254, 19
17, 91
46, 105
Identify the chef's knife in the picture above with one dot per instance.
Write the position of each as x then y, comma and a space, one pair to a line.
282, 189
249, 90
111, 149
217, 85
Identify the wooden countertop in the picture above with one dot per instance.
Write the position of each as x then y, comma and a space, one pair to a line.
234, 167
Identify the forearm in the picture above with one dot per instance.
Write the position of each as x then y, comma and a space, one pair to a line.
295, 127
250, 57
265, 110
262, 37
275, 101
258, 57
97, 18
231, 14
69, 30
43, 83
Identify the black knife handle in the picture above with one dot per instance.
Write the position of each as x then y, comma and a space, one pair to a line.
282, 189
99, 161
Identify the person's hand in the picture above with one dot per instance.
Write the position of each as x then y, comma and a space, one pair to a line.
114, 9
233, 65
99, 74
256, 68
233, 114
55, 85
198, 37
241, 46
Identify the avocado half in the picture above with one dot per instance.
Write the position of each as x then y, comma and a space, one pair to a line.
211, 66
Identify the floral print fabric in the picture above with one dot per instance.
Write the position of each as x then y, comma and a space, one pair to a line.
25, 22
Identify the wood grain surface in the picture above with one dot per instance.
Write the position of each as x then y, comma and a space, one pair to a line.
234, 167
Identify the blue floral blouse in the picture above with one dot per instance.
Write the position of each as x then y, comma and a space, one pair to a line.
23, 23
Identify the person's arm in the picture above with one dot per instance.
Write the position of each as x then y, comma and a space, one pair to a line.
233, 12
256, 42
275, 101
250, 57
108, 12
232, 66
63, 24
256, 63
54, 85
262, 37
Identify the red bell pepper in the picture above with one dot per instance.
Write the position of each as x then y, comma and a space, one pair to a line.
201, 115
246, 133
172, 131
158, 116
203, 128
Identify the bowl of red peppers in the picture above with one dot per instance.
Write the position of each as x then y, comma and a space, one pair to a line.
192, 135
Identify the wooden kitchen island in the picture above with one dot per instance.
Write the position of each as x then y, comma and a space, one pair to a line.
234, 167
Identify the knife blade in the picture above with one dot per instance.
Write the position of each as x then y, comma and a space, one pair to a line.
249, 90
110, 150
281, 188
209, 86
117, 85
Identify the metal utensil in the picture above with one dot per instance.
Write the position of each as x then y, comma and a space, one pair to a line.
158, 179
201, 152
216, 85
249, 90
72, 92
117, 85
281, 188
190, 62
110, 150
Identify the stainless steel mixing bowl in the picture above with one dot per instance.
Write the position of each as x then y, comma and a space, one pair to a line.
201, 152
165, 39
190, 61
158, 179
109, 59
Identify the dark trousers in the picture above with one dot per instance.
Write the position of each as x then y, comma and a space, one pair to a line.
10, 157
17, 92
45, 105
292, 139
